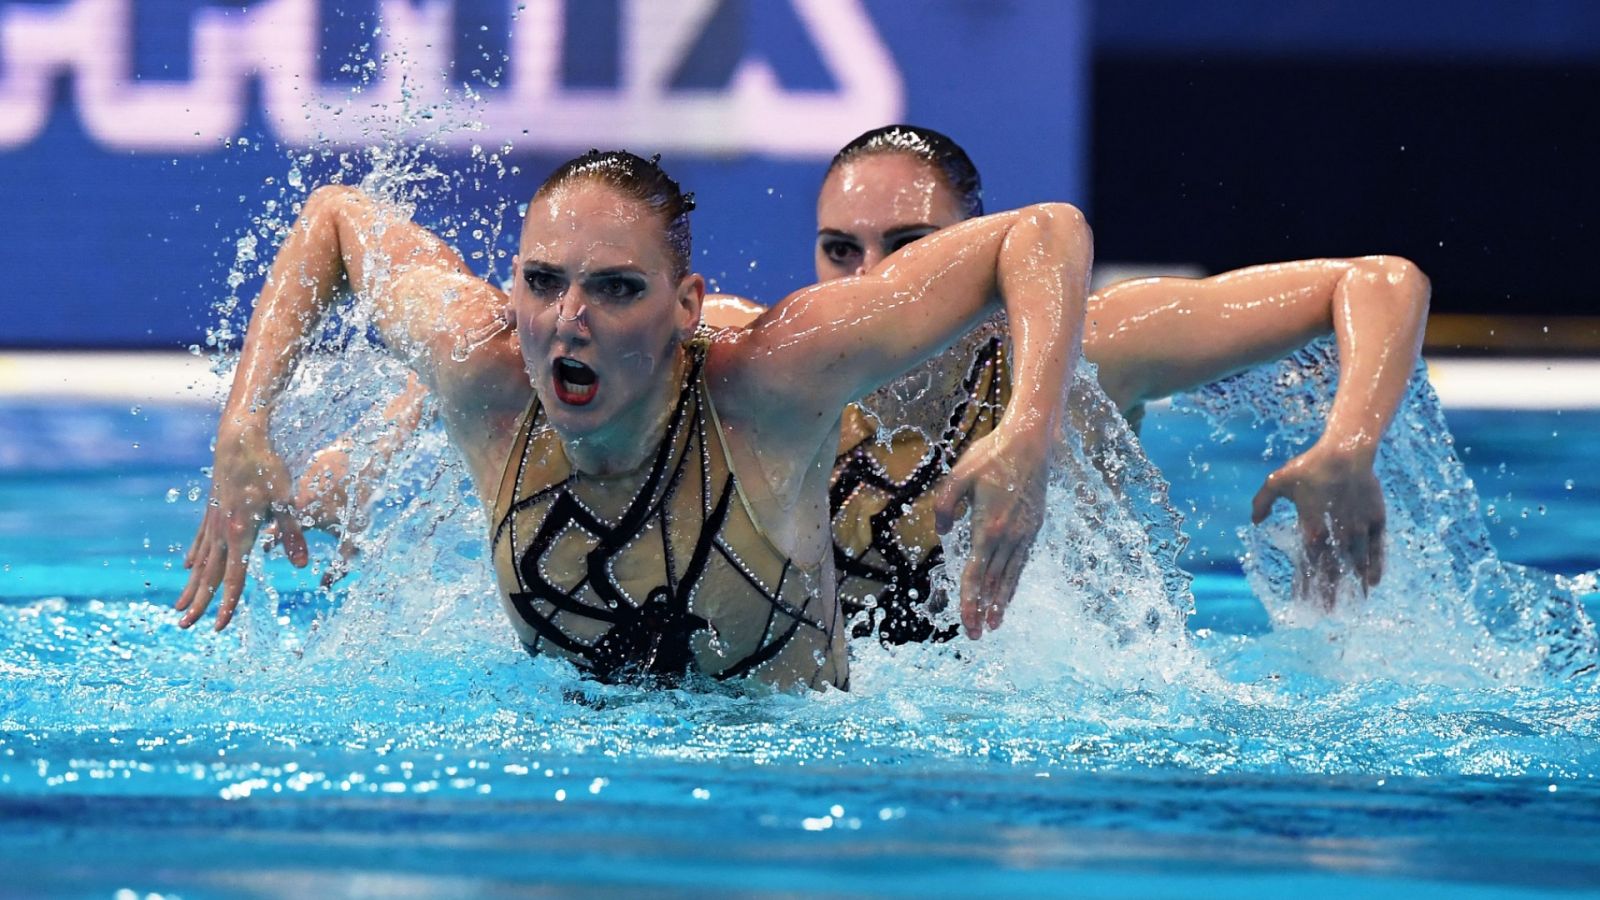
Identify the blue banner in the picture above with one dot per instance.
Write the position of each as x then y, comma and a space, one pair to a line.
149, 149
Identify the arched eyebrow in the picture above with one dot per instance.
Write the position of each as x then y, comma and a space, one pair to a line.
920, 229
834, 232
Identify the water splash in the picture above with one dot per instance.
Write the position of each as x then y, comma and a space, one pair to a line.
1103, 597
1449, 609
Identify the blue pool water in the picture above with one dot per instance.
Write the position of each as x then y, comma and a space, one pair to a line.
390, 738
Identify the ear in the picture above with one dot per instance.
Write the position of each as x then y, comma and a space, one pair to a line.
691, 297
508, 313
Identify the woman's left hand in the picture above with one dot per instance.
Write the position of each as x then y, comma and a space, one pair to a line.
1002, 477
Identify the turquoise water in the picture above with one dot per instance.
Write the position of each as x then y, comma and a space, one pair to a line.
390, 738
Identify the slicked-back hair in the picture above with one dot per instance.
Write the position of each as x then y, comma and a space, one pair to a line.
643, 180
932, 147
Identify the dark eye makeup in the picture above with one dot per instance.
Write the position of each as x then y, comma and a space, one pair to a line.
617, 286
541, 280
840, 250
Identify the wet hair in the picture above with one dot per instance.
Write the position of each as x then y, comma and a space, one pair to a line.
930, 146
643, 180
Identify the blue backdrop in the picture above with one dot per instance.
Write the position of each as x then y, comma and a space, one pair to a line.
126, 188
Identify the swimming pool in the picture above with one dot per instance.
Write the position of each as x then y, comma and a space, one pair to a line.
408, 746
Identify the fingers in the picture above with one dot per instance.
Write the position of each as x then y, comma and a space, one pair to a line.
191, 587
1374, 573
195, 559
1320, 570
971, 614
286, 529
952, 493
1357, 551
199, 538
1261, 504
232, 588
978, 581
991, 577
202, 584
1005, 586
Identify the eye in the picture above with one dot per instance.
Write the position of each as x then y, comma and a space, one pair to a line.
542, 282
618, 288
840, 252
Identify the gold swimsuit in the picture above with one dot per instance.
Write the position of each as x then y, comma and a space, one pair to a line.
658, 572
885, 547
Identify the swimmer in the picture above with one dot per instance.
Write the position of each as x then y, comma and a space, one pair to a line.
1150, 338
657, 493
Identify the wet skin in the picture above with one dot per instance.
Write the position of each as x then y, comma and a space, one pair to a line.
1141, 335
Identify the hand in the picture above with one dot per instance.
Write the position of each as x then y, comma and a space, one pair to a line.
321, 501
249, 485
1339, 505
1003, 478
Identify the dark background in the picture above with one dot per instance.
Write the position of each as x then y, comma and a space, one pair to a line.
1462, 135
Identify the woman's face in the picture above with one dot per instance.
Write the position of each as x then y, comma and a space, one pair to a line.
599, 312
875, 204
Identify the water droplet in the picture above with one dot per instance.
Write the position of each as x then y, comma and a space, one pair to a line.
172, 495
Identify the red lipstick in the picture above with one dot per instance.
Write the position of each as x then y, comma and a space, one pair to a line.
576, 384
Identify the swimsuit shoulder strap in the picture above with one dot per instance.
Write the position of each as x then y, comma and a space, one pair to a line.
718, 435
511, 472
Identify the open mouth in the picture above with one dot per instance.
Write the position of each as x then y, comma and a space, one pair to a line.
576, 383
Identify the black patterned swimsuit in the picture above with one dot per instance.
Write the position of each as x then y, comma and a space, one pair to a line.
659, 572
885, 548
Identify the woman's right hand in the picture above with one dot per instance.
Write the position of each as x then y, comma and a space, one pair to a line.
250, 485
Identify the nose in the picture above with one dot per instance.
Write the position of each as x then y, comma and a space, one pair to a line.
572, 316
869, 261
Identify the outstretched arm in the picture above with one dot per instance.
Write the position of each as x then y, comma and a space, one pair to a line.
830, 344
1156, 336
422, 294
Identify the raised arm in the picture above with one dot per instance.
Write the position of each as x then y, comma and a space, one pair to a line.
424, 298
1156, 336
831, 344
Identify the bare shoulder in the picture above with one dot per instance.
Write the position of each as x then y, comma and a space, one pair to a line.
729, 311
740, 381
483, 392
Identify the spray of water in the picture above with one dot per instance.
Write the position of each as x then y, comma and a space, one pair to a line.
1449, 609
